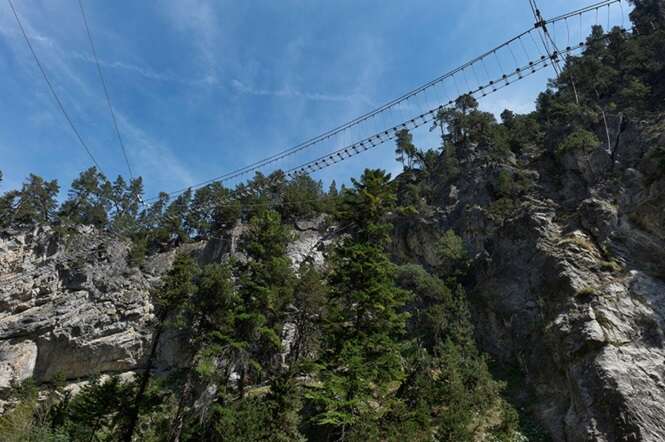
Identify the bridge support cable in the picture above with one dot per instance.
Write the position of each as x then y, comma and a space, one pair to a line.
55, 95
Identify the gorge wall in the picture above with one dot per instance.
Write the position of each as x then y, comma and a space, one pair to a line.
567, 285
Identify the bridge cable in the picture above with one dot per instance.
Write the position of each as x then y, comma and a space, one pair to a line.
52, 89
106, 92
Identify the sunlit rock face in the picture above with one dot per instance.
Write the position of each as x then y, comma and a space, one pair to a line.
72, 307
568, 286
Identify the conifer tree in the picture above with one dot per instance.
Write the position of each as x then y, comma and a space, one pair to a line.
177, 288
405, 149
361, 353
89, 199
211, 211
265, 286
208, 320
36, 201
126, 198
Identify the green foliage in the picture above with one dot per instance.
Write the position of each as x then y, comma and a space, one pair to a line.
89, 199
451, 251
310, 298
522, 130
366, 206
502, 209
302, 198
96, 412
587, 293
29, 420
578, 141
174, 221
265, 287
211, 211
405, 150
658, 157
137, 252
125, 199
361, 352
35, 203
505, 183
273, 417
448, 387
177, 286
464, 126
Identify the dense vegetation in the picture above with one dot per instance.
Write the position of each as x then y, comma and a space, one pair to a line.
379, 350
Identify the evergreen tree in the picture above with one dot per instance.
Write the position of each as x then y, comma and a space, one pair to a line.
36, 201
211, 211
98, 411
89, 199
265, 285
361, 353
126, 199
207, 318
302, 198
173, 223
310, 297
177, 288
405, 149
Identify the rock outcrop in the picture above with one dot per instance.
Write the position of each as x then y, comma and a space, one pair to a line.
71, 307
567, 282
567, 286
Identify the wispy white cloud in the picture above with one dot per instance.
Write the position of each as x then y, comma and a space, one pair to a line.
152, 157
288, 92
198, 20
144, 71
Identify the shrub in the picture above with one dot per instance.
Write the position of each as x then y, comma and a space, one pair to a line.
580, 140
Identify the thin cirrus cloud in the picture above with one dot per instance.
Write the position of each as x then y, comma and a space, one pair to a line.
288, 92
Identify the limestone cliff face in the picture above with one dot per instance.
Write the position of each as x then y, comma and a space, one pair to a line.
71, 307
568, 283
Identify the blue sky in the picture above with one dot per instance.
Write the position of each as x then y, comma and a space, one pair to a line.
201, 87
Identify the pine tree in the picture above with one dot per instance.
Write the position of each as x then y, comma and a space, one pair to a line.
211, 211
177, 289
361, 353
89, 200
265, 285
208, 320
36, 201
173, 223
126, 200
310, 296
405, 149
302, 198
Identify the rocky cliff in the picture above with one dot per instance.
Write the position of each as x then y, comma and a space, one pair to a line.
567, 285
72, 307
567, 281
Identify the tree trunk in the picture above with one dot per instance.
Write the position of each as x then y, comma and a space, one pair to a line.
143, 385
179, 418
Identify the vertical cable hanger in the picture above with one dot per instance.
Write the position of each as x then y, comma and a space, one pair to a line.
552, 52
545, 37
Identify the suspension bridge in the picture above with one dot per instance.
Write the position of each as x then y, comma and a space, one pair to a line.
547, 43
